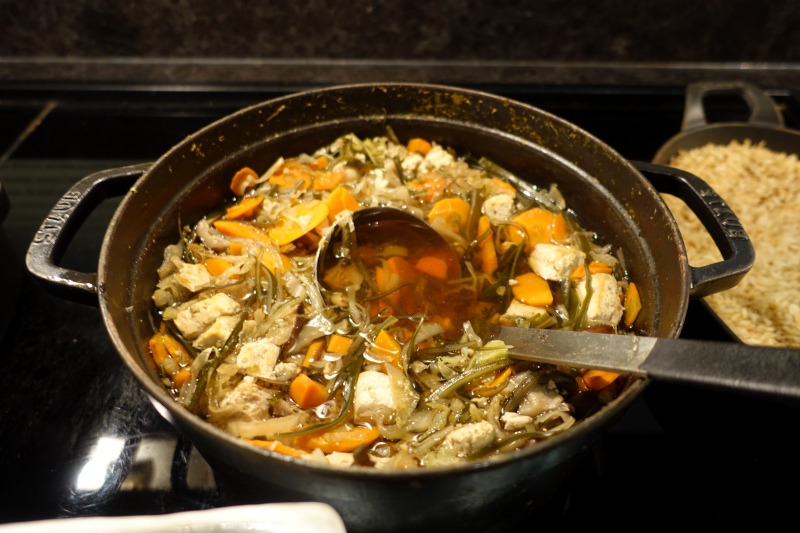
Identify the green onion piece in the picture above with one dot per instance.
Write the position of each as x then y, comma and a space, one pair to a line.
475, 210
453, 384
492, 352
500, 291
408, 351
508, 440
392, 135
519, 393
399, 169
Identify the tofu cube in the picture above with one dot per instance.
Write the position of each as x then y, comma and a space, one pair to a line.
519, 309
499, 208
373, 399
605, 305
193, 319
258, 358
469, 438
193, 277
216, 335
555, 263
250, 400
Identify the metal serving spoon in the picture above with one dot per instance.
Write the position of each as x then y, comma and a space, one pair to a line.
761, 370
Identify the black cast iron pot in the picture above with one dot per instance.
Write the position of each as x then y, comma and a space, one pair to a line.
609, 193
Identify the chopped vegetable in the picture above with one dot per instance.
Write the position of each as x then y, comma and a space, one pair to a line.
327, 181
277, 447
313, 353
245, 208
432, 266
292, 175
488, 253
633, 304
298, 220
339, 343
386, 347
243, 180
233, 228
419, 145
595, 267
307, 393
216, 266
599, 379
454, 212
339, 200
532, 289
340, 440
536, 222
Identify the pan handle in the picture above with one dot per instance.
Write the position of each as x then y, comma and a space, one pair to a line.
718, 218
62, 223
763, 109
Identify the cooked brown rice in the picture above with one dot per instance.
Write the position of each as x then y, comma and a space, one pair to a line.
763, 189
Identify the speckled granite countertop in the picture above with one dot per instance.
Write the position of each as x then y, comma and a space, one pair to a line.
610, 42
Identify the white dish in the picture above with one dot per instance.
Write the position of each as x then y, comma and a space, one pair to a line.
306, 517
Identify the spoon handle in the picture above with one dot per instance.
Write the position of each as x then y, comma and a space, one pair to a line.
761, 370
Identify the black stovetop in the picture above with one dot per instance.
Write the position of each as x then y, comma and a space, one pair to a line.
79, 438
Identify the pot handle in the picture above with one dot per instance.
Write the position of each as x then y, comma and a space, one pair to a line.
763, 109
718, 218
62, 223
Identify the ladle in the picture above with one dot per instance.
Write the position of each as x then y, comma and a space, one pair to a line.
761, 370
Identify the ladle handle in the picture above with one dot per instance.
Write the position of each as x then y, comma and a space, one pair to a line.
718, 218
63, 222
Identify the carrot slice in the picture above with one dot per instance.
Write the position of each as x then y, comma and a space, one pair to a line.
235, 248
313, 353
339, 343
292, 174
297, 221
233, 228
431, 186
504, 185
343, 440
320, 163
307, 393
327, 180
339, 200
396, 271
181, 377
595, 267
454, 211
157, 349
243, 180
633, 304
536, 222
420, 145
490, 385
432, 266
599, 379
216, 266
532, 289
559, 230
386, 347
276, 262
488, 253
277, 447
244, 209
